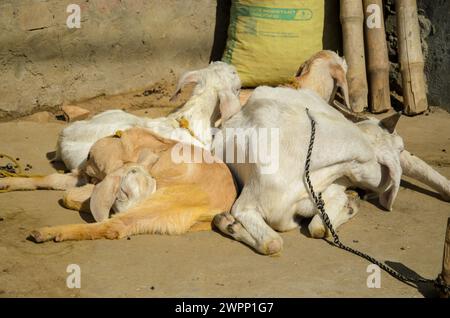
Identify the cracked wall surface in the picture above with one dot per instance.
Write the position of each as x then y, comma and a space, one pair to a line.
122, 45
126, 45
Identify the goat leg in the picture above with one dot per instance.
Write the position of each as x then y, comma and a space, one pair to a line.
148, 218
55, 181
78, 199
419, 170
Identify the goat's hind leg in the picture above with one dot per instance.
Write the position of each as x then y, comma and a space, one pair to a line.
55, 181
147, 218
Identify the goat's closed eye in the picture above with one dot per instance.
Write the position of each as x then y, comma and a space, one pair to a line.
122, 195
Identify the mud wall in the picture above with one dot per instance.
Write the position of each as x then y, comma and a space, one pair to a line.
126, 45
122, 45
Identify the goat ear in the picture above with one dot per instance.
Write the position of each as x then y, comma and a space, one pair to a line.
103, 197
186, 78
301, 68
229, 105
390, 122
392, 163
338, 73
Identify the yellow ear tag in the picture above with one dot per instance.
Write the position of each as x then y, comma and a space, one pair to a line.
292, 82
118, 134
183, 122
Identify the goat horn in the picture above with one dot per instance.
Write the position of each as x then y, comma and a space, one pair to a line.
352, 116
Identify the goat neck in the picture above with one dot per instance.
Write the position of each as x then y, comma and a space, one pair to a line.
199, 112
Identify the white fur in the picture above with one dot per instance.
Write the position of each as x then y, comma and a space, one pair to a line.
344, 154
200, 111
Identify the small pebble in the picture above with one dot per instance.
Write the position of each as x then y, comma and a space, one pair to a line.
402, 248
152, 288
2, 219
17, 159
444, 150
355, 241
128, 238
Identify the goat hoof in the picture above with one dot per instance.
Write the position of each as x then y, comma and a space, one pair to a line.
445, 197
316, 227
225, 222
273, 247
39, 236
318, 233
4, 185
353, 206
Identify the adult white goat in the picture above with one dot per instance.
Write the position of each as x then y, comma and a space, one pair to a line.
368, 155
217, 84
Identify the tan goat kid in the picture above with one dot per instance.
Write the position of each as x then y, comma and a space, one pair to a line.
136, 176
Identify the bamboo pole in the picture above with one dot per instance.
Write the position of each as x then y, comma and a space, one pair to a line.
352, 19
377, 57
411, 58
446, 260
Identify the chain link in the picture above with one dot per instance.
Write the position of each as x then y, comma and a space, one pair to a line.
439, 283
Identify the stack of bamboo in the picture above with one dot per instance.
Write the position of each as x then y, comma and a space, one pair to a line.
364, 34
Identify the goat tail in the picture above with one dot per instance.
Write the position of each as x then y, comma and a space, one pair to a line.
419, 170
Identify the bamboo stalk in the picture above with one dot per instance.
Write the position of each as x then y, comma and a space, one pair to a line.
352, 19
377, 57
411, 57
446, 260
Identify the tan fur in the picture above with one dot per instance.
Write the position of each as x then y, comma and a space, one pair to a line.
78, 198
323, 73
171, 210
188, 195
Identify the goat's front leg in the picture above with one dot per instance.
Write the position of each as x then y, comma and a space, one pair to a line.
340, 207
55, 181
78, 199
228, 225
246, 224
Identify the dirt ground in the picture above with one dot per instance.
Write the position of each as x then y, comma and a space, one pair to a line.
207, 264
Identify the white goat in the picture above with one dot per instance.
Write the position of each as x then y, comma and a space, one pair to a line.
217, 84
369, 155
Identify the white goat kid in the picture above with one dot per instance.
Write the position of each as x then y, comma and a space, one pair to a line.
217, 84
369, 155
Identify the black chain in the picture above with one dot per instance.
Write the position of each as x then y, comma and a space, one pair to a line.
320, 205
